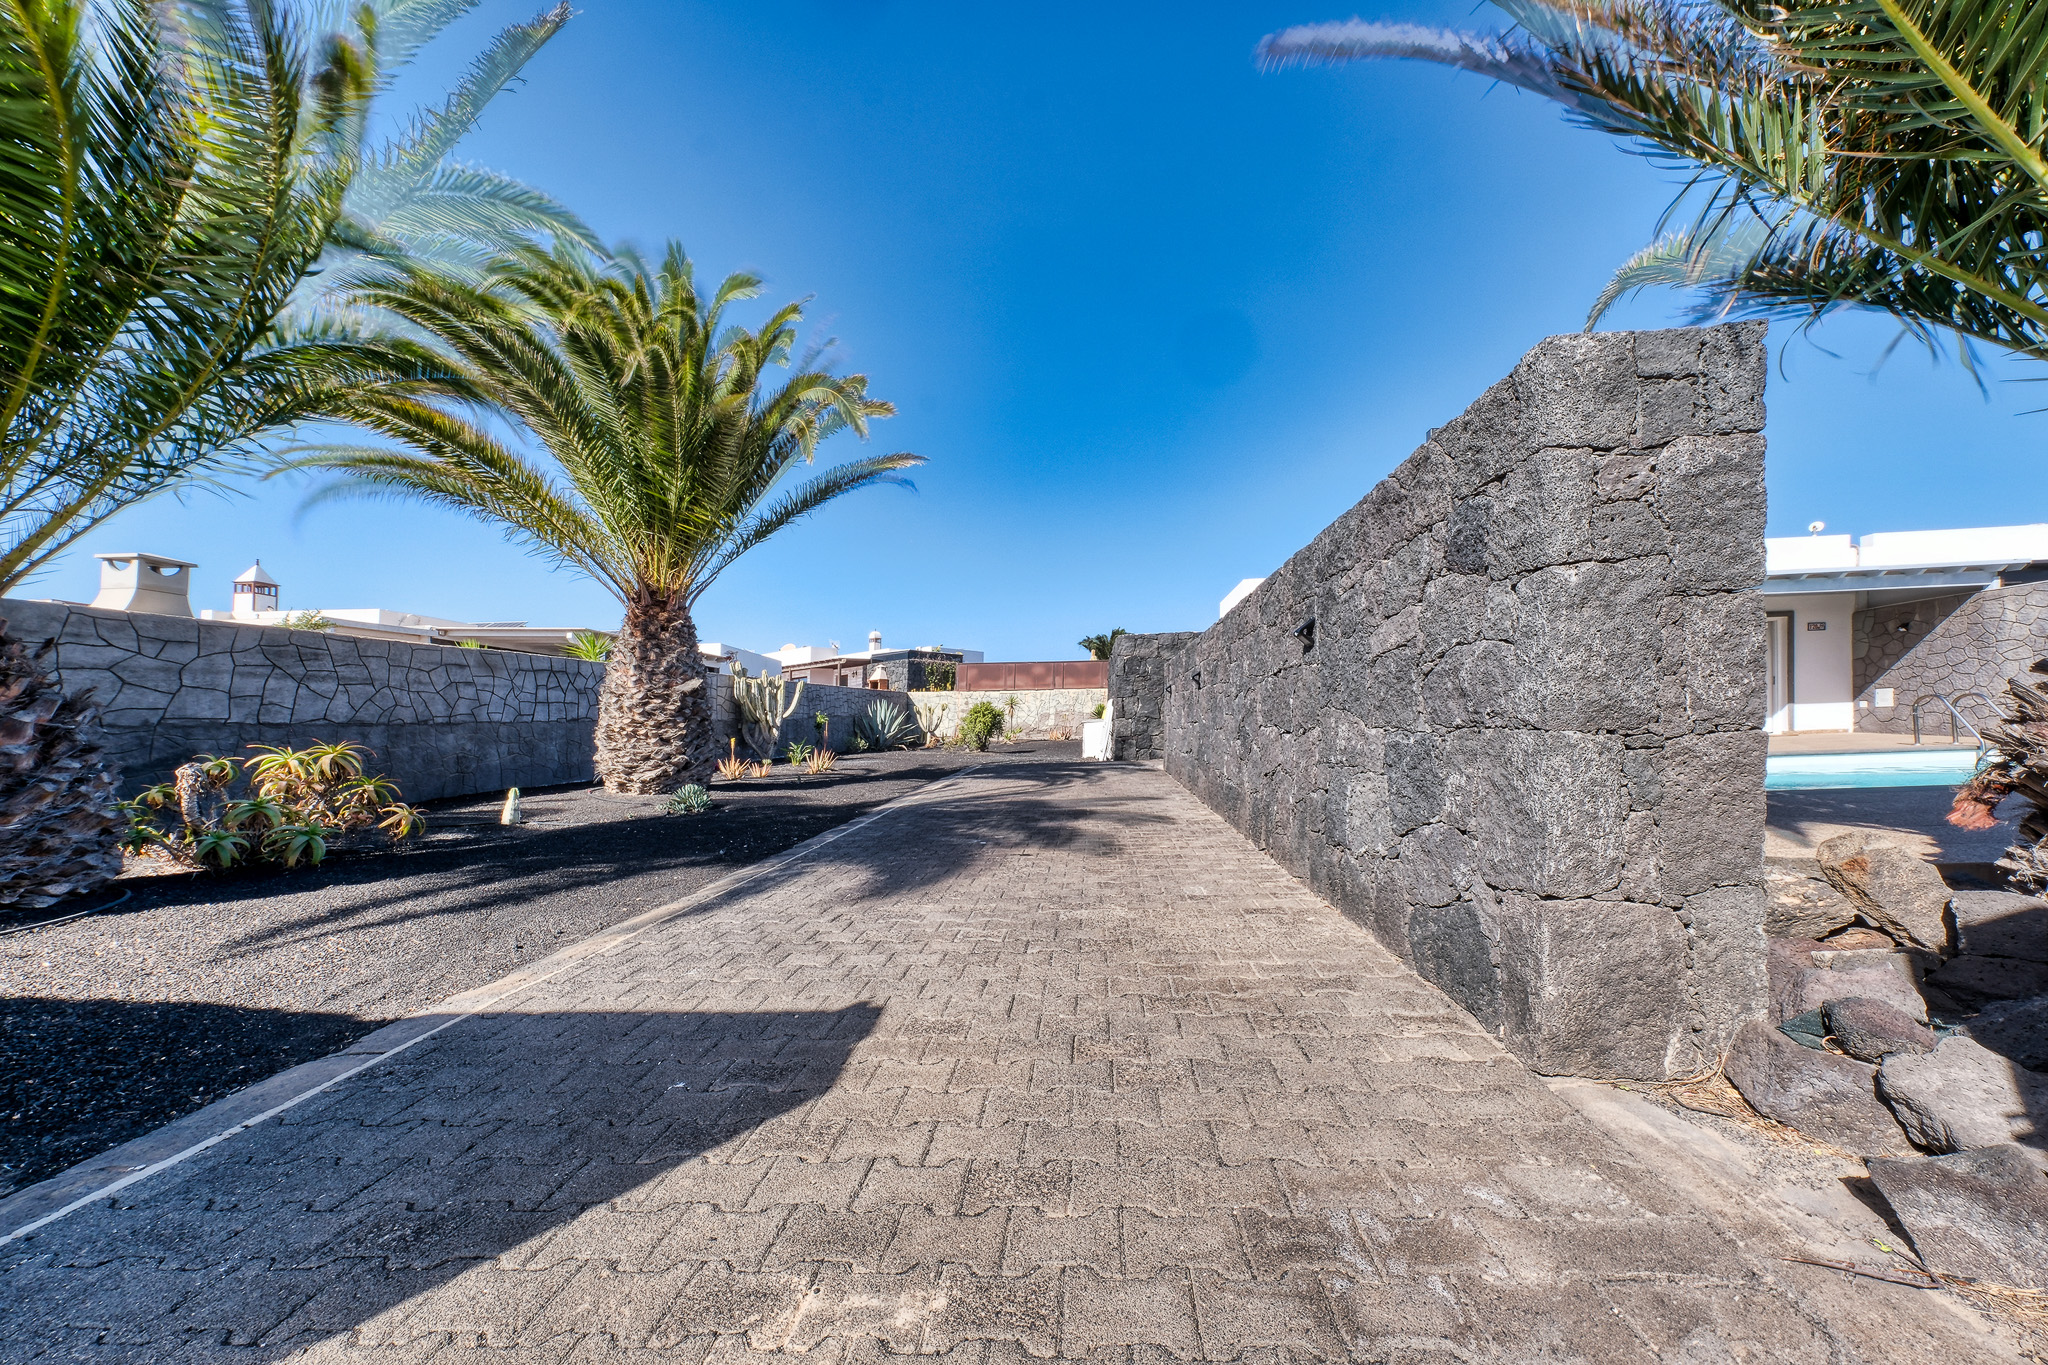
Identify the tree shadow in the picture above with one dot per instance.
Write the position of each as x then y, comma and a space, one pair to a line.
486, 1144
80, 1076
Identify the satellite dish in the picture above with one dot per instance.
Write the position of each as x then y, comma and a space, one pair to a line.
1816, 527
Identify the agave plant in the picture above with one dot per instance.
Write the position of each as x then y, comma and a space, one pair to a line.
883, 725
1887, 154
589, 644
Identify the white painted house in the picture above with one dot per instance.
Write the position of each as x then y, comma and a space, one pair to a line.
1816, 585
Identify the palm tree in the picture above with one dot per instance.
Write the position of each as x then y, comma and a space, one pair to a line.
1099, 646
1886, 154
667, 437
171, 177
410, 197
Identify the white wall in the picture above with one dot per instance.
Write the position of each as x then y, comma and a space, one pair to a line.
1823, 679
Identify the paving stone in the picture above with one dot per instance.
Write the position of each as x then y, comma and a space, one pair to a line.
1139, 1098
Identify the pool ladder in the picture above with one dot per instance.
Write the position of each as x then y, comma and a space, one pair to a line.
1955, 717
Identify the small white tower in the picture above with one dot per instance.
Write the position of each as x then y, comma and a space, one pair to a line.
874, 641
255, 591
146, 583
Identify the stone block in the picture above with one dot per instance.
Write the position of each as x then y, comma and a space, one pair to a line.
1981, 1214
1541, 513
1579, 390
1711, 495
1483, 442
1964, 1095
1891, 887
1592, 987
1710, 825
1822, 1095
1800, 903
1668, 353
1712, 669
1588, 641
1871, 1030
2000, 924
2015, 1029
1454, 948
1548, 810
1981, 980
1724, 931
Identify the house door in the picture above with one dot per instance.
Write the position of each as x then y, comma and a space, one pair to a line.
1778, 716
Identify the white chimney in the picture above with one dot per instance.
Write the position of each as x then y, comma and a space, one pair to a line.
255, 591
874, 641
145, 583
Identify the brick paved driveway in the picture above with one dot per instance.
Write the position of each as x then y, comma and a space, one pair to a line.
1048, 1063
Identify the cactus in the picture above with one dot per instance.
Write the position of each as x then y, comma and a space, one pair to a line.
764, 703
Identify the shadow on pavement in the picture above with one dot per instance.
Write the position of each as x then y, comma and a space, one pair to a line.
361, 1207
80, 1076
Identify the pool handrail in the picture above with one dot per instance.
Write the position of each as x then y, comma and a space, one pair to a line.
1955, 718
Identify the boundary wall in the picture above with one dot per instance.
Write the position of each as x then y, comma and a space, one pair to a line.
1506, 710
442, 721
1960, 643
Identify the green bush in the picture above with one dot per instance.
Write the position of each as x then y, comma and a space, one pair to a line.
982, 723
690, 800
1099, 709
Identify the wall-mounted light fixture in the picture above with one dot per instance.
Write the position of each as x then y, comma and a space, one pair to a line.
1306, 633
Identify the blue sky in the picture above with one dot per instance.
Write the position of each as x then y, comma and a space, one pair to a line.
1154, 317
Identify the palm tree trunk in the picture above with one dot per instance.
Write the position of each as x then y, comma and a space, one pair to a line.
654, 710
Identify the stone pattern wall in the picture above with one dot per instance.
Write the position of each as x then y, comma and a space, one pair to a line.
1960, 643
1506, 710
1040, 712
441, 721
1137, 692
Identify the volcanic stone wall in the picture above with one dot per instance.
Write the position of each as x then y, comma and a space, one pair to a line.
1137, 692
442, 721
1505, 711
1964, 642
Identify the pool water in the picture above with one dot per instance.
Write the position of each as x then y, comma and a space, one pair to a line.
1892, 768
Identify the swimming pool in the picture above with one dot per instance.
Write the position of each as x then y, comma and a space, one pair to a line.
1892, 768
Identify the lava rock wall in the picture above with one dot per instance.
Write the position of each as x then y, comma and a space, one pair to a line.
1506, 710
1965, 642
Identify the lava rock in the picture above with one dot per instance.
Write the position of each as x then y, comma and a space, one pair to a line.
1799, 902
1798, 990
2015, 1029
1822, 1095
1979, 980
1808, 1030
1890, 887
1870, 1030
1963, 1095
2000, 924
1981, 1213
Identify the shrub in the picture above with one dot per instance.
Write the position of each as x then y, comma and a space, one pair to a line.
306, 620
982, 723
589, 644
884, 726
302, 803
1099, 709
689, 800
940, 677
798, 753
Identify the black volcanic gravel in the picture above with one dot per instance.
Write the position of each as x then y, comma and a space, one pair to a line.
192, 988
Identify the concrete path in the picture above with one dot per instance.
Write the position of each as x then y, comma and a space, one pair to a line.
1049, 1062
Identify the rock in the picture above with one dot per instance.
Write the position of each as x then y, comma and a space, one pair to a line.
2016, 1030
2000, 924
1857, 936
1890, 887
1964, 1095
1799, 902
1809, 988
1870, 1030
1808, 1030
1981, 1213
1822, 1095
1976, 980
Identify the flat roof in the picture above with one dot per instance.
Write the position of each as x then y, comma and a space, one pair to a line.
1963, 557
